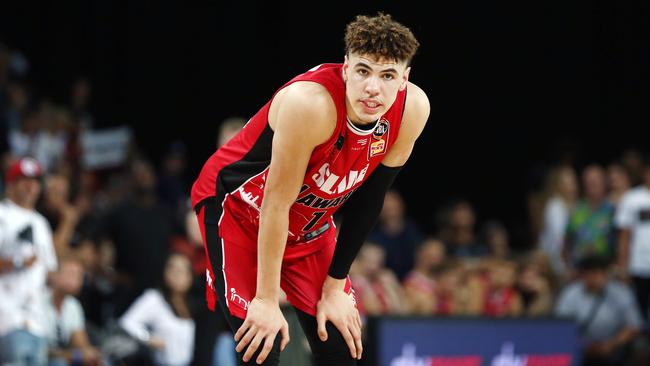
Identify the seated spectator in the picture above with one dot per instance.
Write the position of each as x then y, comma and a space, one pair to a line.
67, 337
397, 234
420, 284
448, 279
501, 297
535, 288
162, 319
96, 294
495, 236
376, 286
605, 311
458, 232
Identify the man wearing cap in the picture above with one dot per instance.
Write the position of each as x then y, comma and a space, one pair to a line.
26, 256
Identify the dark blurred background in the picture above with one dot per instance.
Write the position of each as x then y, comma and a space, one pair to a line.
514, 85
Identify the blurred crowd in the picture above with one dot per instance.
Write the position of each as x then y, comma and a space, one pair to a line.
105, 265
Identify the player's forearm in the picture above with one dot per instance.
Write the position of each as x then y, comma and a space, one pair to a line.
274, 225
360, 213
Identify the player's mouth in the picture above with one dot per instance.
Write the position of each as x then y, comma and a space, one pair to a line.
370, 106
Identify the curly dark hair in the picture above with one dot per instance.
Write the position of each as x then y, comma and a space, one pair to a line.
380, 36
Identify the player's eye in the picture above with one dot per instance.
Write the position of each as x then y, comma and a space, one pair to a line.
362, 72
388, 77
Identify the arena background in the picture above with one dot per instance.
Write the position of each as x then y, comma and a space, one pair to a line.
514, 86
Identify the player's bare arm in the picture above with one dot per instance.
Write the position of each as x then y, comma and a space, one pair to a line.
302, 117
335, 305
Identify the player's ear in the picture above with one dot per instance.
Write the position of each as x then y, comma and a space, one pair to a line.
345, 68
405, 78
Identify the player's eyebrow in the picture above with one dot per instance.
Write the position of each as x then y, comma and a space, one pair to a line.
363, 65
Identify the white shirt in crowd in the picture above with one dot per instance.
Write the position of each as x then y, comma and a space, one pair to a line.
61, 324
633, 213
616, 309
152, 316
23, 293
551, 240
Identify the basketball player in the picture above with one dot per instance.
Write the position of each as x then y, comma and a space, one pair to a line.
333, 137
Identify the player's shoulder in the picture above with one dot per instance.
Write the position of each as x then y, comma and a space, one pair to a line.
308, 95
416, 110
417, 101
304, 101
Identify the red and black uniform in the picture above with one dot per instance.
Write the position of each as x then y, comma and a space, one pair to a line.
229, 191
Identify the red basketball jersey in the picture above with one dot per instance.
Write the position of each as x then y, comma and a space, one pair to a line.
237, 171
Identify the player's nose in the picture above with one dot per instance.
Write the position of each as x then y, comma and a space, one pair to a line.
372, 86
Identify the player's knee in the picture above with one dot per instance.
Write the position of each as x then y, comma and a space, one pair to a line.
272, 359
334, 351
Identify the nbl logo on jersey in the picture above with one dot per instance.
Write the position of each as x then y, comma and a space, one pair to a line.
379, 143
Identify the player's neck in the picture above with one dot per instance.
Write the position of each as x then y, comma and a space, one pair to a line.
365, 126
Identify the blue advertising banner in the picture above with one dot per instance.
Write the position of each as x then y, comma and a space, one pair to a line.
476, 342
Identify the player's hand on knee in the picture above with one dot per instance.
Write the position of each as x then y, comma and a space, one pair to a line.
338, 307
263, 321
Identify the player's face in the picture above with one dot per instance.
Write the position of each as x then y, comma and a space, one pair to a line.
371, 85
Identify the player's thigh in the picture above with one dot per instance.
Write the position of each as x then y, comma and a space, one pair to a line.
302, 279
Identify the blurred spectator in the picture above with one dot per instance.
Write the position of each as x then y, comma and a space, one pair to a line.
397, 234
560, 194
420, 284
501, 297
67, 337
52, 138
228, 129
173, 188
162, 318
535, 288
59, 212
97, 292
618, 182
26, 257
607, 316
458, 231
448, 282
140, 229
632, 160
590, 230
495, 236
376, 286
633, 220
